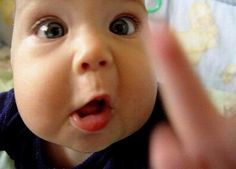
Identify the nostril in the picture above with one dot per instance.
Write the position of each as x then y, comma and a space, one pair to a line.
85, 66
103, 63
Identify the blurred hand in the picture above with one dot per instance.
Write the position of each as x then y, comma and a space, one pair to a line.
197, 137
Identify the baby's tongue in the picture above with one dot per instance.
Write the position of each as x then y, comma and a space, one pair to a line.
93, 107
92, 117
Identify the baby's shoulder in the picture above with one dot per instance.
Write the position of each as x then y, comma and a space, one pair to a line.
7, 101
8, 109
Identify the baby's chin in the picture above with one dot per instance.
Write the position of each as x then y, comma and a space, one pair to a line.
98, 145
82, 146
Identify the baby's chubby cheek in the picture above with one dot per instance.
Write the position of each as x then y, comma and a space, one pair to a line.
138, 96
42, 99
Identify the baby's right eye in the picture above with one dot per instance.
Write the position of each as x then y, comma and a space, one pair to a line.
50, 29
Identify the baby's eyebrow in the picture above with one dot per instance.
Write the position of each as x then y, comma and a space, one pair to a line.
140, 2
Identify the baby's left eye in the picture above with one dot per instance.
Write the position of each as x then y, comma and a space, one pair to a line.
51, 29
123, 26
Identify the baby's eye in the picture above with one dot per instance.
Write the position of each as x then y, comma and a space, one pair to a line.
125, 25
50, 29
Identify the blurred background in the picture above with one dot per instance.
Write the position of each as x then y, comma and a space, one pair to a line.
6, 8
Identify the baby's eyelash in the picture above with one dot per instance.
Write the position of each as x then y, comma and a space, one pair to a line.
41, 21
137, 22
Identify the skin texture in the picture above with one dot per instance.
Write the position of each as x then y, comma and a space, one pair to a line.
55, 77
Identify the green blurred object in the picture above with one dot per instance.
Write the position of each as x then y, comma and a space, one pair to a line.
5, 161
154, 7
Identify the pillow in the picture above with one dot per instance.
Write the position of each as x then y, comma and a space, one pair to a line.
207, 32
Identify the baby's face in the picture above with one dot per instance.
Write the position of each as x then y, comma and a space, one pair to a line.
82, 75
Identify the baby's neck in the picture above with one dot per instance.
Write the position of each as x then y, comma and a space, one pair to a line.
62, 157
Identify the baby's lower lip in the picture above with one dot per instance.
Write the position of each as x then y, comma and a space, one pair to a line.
92, 122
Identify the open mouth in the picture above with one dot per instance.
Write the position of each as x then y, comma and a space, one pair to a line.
93, 116
95, 106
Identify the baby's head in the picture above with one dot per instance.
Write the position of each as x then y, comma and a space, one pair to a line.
83, 78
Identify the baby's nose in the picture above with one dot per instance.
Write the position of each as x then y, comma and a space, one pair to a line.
92, 57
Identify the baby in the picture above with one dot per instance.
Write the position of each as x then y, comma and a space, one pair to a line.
84, 86
85, 93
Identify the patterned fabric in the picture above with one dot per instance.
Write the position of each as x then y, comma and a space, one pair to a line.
206, 29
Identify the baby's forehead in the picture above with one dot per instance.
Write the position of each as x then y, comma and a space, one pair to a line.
17, 2
21, 4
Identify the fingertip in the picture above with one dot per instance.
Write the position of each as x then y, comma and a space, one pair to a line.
165, 49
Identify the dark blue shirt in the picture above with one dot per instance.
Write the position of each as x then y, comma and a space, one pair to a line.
25, 148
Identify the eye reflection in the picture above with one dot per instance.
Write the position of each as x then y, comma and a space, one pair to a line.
51, 30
